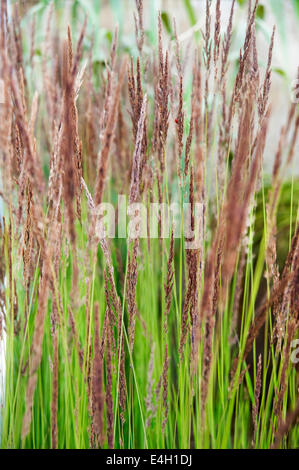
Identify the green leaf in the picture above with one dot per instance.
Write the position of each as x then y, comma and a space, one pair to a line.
190, 12
166, 21
296, 6
260, 12
280, 72
109, 36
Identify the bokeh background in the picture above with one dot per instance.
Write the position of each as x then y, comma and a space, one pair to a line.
190, 17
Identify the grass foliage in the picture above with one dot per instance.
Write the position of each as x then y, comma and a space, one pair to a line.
145, 343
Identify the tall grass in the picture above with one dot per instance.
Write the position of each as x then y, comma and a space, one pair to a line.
146, 342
